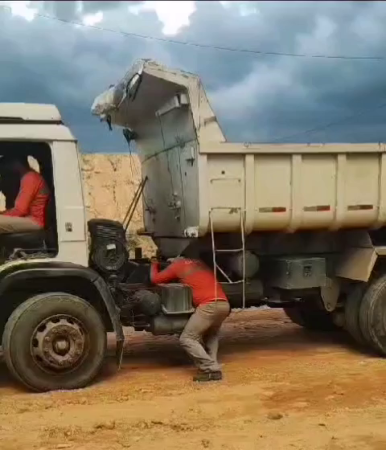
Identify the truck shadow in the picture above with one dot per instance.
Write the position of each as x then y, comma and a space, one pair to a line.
261, 334
6, 380
264, 334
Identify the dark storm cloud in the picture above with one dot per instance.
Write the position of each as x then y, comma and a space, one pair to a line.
256, 97
73, 10
280, 96
62, 10
65, 65
93, 7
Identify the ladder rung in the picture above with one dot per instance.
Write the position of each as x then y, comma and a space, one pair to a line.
232, 250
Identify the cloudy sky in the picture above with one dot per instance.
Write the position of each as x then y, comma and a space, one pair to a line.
257, 97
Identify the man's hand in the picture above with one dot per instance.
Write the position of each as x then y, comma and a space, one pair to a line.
154, 260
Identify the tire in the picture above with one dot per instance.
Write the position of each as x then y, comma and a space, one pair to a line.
54, 341
351, 314
310, 317
372, 315
295, 315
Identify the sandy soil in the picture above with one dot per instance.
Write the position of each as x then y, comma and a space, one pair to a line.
284, 389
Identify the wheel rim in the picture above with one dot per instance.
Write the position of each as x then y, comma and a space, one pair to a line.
59, 344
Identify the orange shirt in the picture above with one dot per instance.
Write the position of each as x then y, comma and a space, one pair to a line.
193, 274
32, 198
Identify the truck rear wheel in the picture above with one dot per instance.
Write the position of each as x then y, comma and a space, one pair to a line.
54, 341
372, 315
351, 314
309, 316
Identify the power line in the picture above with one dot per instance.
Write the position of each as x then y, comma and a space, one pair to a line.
329, 124
239, 50
208, 46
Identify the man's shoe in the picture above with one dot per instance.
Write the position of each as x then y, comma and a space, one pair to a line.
203, 377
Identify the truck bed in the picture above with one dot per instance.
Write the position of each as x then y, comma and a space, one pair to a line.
197, 181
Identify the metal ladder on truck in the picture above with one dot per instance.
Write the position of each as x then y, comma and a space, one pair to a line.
229, 250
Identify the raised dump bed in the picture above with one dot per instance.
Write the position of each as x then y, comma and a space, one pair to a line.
195, 175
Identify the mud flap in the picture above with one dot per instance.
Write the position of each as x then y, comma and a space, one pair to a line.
357, 264
114, 314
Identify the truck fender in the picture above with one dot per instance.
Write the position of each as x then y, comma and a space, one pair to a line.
43, 269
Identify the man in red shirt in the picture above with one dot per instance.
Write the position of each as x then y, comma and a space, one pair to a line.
28, 212
212, 308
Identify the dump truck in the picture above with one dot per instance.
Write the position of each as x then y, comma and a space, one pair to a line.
298, 227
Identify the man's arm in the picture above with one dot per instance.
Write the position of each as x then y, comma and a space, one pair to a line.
166, 275
27, 192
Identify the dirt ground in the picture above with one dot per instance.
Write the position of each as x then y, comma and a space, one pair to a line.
283, 389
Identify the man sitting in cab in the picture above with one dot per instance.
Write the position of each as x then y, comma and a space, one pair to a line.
28, 211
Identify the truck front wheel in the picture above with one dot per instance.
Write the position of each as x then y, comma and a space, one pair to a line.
54, 341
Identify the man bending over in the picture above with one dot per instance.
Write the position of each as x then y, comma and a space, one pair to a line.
212, 308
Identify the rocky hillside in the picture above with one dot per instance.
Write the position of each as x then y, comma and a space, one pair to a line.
110, 182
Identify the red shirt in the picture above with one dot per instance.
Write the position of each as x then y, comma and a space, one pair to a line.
32, 198
193, 274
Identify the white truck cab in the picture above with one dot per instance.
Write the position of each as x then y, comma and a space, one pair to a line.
54, 309
38, 130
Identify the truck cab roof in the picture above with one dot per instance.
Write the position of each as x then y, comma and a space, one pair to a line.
29, 113
32, 122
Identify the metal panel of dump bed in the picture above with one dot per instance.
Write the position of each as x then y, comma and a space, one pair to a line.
195, 176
